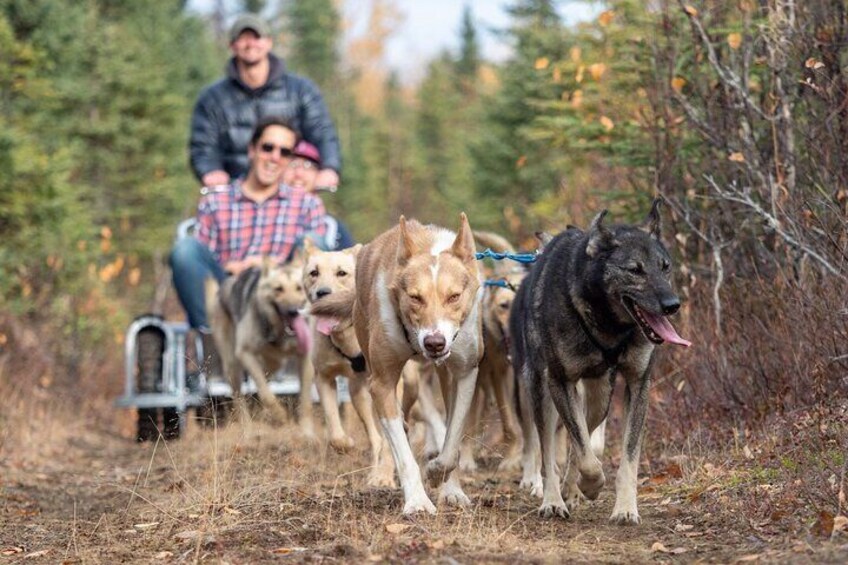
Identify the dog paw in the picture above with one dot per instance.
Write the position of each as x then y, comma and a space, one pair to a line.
342, 444
591, 485
382, 479
625, 517
418, 504
437, 472
452, 495
467, 464
510, 464
553, 510
573, 497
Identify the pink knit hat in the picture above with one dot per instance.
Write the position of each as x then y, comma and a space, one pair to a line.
307, 151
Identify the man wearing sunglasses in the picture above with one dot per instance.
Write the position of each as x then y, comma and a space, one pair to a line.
257, 85
246, 220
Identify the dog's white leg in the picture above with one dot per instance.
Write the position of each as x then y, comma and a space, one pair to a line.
568, 401
512, 453
462, 386
625, 510
531, 471
415, 498
451, 492
382, 472
434, 424
473, 432
257, 371
383, 387
304, 407
598, 439
339, 440
552, 502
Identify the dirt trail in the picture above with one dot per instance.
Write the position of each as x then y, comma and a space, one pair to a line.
256, 495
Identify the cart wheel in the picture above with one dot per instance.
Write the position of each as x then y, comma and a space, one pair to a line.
171, 423
147, 429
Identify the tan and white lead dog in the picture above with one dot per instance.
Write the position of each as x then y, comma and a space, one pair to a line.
418, 295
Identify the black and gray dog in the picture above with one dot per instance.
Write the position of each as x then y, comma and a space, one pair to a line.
594, 305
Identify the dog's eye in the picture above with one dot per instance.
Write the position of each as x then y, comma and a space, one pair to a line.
279, 288
416, 299
341, 273
504, 305
666, 266
313, 273
453, 298
636, 268
299, 288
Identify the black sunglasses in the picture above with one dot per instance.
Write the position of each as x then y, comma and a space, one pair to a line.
270, 148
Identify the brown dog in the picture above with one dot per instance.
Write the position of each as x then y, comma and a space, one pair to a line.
336, 352
418, 295
257, 323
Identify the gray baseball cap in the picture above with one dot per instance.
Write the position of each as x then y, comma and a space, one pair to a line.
249, 21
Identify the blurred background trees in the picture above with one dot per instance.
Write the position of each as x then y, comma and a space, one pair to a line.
735, 112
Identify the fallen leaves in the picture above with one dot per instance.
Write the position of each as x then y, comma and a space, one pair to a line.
734, 40
397, 528
736, 157
13, 550
658, 547
677, 84
812, 63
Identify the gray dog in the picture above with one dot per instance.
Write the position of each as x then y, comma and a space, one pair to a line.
595, 304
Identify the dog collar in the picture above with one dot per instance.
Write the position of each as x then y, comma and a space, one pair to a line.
356, 363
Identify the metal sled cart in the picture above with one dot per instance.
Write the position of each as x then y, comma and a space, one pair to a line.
163, 379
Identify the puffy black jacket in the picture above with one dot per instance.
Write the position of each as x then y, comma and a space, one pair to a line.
227, 111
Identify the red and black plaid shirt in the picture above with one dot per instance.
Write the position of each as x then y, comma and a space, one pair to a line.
235, 227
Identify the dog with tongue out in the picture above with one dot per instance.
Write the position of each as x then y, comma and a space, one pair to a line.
595, 305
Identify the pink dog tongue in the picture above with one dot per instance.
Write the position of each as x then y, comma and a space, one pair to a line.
304, 337
664, 329
326, 324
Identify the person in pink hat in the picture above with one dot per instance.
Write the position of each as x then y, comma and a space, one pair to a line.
302, 174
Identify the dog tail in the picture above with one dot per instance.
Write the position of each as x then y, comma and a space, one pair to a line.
493, 241
339, 305
211, 293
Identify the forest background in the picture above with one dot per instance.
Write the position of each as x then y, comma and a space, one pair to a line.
735, 112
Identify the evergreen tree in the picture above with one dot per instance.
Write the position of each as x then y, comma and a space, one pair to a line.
469, 51
313, 30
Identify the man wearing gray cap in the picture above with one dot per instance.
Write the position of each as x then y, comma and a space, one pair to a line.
257, 85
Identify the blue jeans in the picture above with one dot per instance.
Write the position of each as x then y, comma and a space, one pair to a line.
191, 264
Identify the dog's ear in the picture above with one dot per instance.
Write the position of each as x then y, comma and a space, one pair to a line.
406, 247
599, 236
463, 246
544, 239
309, 247
653, 223
354, 250
266, 265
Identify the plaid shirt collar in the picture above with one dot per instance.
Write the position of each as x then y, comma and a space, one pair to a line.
283, 192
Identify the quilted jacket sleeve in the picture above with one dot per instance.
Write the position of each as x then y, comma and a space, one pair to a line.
204, 146
317, 125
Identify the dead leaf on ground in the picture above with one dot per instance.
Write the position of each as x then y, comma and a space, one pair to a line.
11, 550
840, 524
41, 553
691, 10
736, 157
397, 528
748, 558
683, 527
824, 524
145, 526
287, 550
734, 40
163, 555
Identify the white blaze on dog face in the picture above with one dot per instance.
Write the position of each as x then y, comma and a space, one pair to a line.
437, 286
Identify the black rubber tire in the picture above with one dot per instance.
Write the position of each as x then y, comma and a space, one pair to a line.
146, 427
170, 423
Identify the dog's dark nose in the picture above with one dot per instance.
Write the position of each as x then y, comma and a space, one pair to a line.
670, 305
435, 343
322, 292
292, 312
